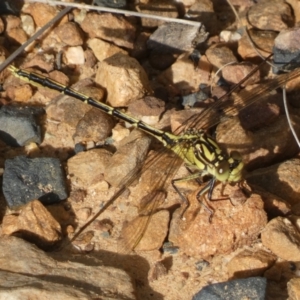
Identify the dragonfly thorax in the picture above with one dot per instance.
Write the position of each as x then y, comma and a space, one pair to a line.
203, 153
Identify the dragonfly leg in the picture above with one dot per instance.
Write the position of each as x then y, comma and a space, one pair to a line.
183, 198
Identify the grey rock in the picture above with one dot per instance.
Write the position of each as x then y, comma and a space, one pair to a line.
26, 179
250, 288
19, 125
176, 38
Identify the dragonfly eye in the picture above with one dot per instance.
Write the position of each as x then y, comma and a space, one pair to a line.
223, 170
235, 155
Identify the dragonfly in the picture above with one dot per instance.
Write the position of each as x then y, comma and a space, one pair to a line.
189, 144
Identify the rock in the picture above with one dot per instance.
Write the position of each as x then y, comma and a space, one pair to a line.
110, 28
264, 40
274, 206
128, 159
176, 38
27, 24
234, 73
275, 16
148, 110
286, 48
140, 50
277, 178
33, 223
19, 126
194, 99
157, 270
68, 112
122, 68
282, 238
203, 11
220, 55
259, 148
293, 287
43, 13
102, 49
17, 36
74, 56
161, 61
231, 225
250, 288
70, 34
141, 234
41, 62
86, 169
95, 126
19, 258
184, 76
160, 8
250, 264
25, 179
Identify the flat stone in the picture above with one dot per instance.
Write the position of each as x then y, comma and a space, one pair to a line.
176, 38
19, 258
19, 126
25, 179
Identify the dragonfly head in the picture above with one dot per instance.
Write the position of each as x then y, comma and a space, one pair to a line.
230, 170
236, 166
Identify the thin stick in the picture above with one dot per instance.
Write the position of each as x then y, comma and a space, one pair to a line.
288, 117
34, 37
116, 11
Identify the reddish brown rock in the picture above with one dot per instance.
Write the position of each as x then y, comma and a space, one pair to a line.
148, 109
160, 8
34, 223
122, 68
102, 49
264, 41
70, 34
275, 15
231, 226
293, 287
234, 73
250, 264
282, 238
87, 168
277, 178
220, 55
184, 76
109, 27
43, 13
